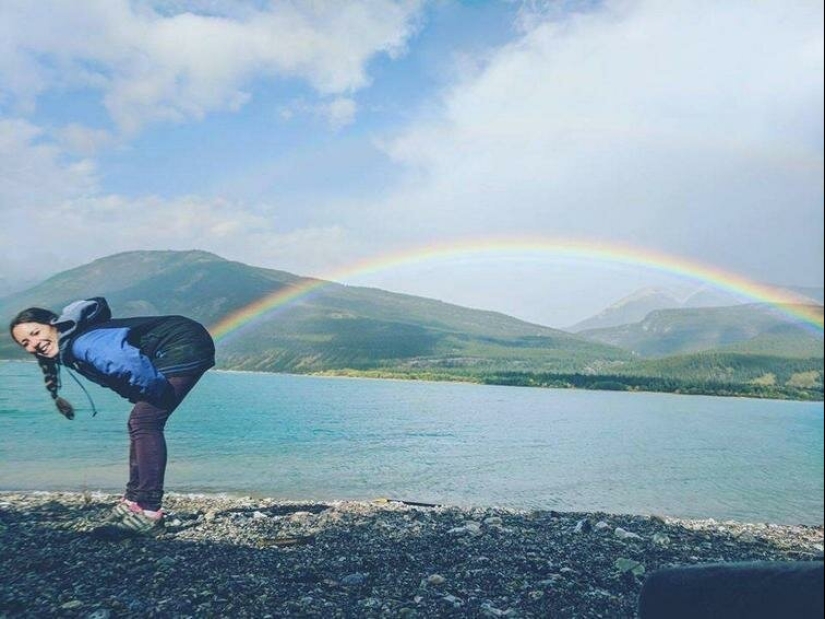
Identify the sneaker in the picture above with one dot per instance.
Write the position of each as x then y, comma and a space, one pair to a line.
142, 522
120, 510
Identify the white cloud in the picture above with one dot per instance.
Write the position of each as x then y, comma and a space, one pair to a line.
340, 112
56, 216
176, 66
35, 173
694, 127
81, 140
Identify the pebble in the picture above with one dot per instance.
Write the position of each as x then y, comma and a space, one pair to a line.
623, 534
469, 528
71, 605
660, 539
629, 565
352, 580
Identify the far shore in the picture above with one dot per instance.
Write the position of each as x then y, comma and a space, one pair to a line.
239, 556
479, 381
474, 380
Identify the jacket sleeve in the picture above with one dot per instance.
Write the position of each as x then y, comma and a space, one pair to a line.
120, 366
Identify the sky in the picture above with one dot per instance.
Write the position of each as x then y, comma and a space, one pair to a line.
453, 150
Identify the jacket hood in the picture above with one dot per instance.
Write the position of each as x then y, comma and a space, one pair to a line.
80, 315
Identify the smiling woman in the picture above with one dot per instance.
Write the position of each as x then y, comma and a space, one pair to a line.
152, 361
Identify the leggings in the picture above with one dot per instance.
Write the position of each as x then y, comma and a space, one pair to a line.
147, 446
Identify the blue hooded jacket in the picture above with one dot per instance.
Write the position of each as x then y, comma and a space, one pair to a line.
132, 356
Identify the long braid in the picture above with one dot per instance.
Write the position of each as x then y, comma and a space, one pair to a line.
51, 376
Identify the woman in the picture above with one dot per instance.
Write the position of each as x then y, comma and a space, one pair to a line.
151, 361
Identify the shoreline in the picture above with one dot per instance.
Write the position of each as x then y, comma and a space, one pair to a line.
470, 380
480, 382
247, 495
242, 556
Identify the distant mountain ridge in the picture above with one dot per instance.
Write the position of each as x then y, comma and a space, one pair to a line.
629, 309
752, 328
636, 306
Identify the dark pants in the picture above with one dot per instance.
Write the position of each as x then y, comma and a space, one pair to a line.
147, 446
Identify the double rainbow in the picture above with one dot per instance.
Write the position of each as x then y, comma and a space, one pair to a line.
529, 247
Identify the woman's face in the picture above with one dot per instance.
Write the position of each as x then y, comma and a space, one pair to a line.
38, 339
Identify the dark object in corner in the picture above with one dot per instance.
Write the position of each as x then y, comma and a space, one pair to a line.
752, 590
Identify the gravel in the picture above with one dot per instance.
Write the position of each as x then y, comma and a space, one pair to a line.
226, 556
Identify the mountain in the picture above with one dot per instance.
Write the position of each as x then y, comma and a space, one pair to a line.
629, 309
709, 296
335, 327
749, 329
636, 306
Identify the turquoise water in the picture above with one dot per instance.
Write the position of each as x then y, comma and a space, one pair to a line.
294, 437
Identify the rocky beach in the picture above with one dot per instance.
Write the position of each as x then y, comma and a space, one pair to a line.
229, 556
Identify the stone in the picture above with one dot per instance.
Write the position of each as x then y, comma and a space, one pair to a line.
660, 539
622, 534
488, 610
583, 526
353, 580
629, 565
436, 579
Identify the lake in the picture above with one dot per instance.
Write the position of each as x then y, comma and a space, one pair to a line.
315, 438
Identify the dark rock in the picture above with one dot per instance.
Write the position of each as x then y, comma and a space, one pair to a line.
756, 590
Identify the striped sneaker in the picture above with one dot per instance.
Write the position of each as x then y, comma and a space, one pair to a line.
142, 522
121, 509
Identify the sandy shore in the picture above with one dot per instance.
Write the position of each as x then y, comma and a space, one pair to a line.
227, 556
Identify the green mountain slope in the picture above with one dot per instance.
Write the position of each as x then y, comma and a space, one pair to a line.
334, 327
789, 343
752, 328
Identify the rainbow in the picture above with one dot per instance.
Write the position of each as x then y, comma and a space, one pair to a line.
528, 247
